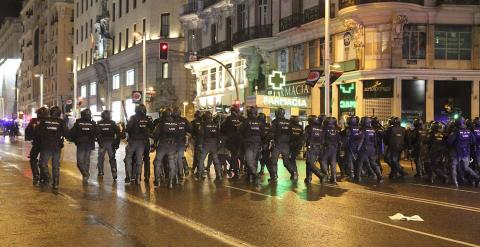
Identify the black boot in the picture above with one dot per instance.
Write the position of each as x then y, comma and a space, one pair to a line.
308, 180
55, 183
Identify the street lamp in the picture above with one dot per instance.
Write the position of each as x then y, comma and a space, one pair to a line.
144, 63
327, 58
41, 88
185, 108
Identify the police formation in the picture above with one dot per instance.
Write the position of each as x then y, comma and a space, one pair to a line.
238, 145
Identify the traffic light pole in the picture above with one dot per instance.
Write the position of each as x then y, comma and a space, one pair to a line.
144, 68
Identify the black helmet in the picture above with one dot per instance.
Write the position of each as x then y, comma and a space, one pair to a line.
352, 121
197, 114
469, 123
375, 122
42, 112
86, 114
321, 119
55, 112
167, 113
395, 121
311, 119
366, 122
295, 120
252, 112
207, 116
262, 117
234, 110
436, 126
106, 115
418, 123
476, 122
176, 113
460, 123
141, 109
280, 113
330, 122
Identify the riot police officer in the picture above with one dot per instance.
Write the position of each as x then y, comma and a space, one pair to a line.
51, 132
42, 114
367, 150
331, 142
395, 139
184, 127
418, 145
296, 141
437, 151
165, 136
209, 136
461, 141
139, 129
476, 133
83, 134
353, 137
197, 149
266, 149
282, 133
108, 136
252, 130
230, 129
314, 140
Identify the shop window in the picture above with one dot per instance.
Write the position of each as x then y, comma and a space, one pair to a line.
414, 42
451, 100
213, 79
453, 42
413, 100
204, 80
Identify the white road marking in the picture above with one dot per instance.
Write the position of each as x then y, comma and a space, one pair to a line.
415, 199
446, 188
197, 226
252, 192
417, 232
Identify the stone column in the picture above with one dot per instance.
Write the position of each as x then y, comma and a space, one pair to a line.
397, 97
429, 100
475, 100
360, 111
334, 100
315, 100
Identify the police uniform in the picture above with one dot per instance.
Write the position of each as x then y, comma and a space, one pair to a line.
184, 127
230, 129
165, 135
282, 132
108, 134
330, 147
367, 151
83, 134
296, 143
209, 137
138, 128
314, 140
252, 131
35, 150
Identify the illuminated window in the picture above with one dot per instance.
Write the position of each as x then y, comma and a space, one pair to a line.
116, 82
129, 107
93, 89
130, 77
414, 42
83, 91
116, 111
165, 69
213, 79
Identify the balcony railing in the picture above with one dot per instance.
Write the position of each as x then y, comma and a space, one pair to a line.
216, 48
190, 8
256, 32
288, 22
208, 3
348, 3
458, 2
313, 13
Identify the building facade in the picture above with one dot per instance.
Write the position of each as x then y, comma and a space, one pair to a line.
10, 33
46, 46
413, 58
109, 55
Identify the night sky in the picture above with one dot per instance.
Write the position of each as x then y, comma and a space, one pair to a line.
9, 8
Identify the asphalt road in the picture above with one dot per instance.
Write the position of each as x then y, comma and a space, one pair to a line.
231, 213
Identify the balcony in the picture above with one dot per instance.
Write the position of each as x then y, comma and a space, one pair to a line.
458, 2
190, 8
288, 22
349, 3
214, 49
313, 13
256, 32
208, 3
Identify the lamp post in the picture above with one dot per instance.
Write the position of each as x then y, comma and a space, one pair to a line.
144, 64
41, 88
185, 108
327, 58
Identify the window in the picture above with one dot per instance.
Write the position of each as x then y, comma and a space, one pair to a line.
81, 33
93, 109
239, 71
127, 3
144, 25
83, 1
453, 42
119, 41
312, 54
134, 31
116, 81
86, 30
213, 79
297, 6
93, 89
129, 107
213, 33
241, 17
165, 72
130, 77
113, 12
228, 78
86, 5
298, 55
83, 91
116, 111
165, 25
322, 50
119, 8
262, 12
134, 4
76, 39
414, 42
126, 39
78, 9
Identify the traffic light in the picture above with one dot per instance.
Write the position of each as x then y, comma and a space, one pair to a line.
163, 50
237, 103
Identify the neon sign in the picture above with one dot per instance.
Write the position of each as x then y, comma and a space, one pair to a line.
276, 80
347, 96
284, 101
348, 104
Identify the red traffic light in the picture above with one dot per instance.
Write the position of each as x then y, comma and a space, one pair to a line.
163, 50
237, 102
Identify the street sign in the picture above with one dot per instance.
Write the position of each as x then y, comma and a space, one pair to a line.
137, 97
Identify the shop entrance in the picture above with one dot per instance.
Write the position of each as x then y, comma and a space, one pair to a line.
452, 99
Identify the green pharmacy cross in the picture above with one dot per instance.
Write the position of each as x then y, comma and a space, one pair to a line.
348, 90
276, 80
